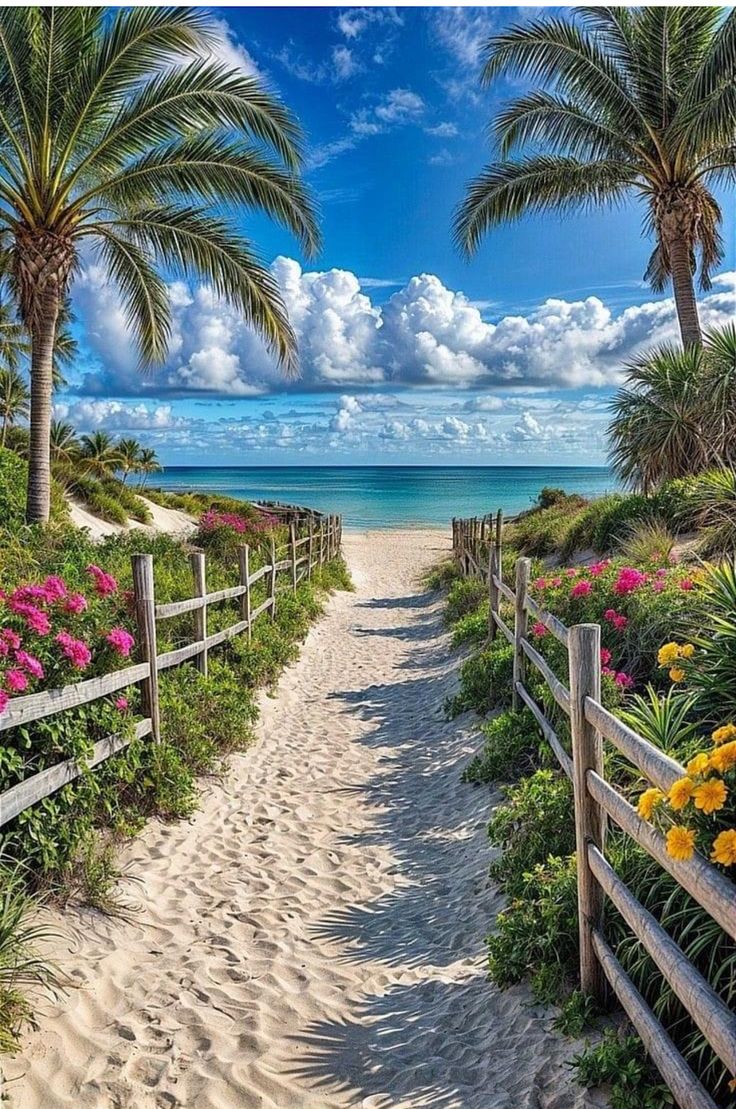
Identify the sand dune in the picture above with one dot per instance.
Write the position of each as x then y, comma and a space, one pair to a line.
313, 938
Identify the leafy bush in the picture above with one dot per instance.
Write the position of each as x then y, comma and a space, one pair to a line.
510, 748
471, 628
622, 1062
534, 821
543, 531
13, 476
106, 506
549, 496
464, 596
485, 680
537, 935
442, 575
649, 543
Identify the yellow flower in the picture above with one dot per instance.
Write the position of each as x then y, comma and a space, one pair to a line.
687, 650
680, 793
676, 674
698, 765
668, 654
724, 848
722, 735
711, 795
724, 757
680, 843
648, 801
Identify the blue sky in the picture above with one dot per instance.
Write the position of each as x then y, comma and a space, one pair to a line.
409, 353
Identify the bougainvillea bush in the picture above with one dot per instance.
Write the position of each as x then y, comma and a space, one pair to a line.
224, 532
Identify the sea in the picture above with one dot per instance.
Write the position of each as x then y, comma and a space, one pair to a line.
370, 497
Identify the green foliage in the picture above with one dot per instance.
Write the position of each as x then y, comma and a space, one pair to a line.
24, 973
13, 476
549, 496
621, 1061
511, 748
533, 822
537, 935
485, 680
442, 575
577, 1012
464, 596
712, 627
543, 531
106, 506
472, 627
649, 543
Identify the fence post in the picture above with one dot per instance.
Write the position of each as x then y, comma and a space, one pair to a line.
493, 591
584, 647
292, 543
523, 567
244, 572
199, 573
145, 615
320, 535
273, 579
310, 548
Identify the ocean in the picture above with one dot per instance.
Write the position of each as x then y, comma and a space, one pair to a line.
392, 496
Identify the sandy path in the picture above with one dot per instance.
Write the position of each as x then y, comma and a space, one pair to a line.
313, 938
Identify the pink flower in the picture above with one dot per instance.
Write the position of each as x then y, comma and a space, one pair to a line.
539, 629
581, 588
628, 580
54, 588
29, 663
105, 584
36, 620
608, 672
617, 619
24, 595
556, 582
16, 681
571, 572
75, 604
3, 700
120, 640
75, 650
686, 584
659, 585
661, 572
540, 583
624, 680
10, 638
598, 567
122, 704
605, 656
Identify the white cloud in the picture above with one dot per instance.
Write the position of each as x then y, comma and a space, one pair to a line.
399, 106
89, 415
424, 334
226, 49
345, 63
442, 130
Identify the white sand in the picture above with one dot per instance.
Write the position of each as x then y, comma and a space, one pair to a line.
169, 520
313, 938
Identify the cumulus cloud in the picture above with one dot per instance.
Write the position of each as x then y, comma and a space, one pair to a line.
113, 415
424, 334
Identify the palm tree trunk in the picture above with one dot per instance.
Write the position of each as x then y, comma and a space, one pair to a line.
43, 332
4, 435
684, 289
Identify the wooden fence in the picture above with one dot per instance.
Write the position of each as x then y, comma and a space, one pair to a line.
319, 545
477, 547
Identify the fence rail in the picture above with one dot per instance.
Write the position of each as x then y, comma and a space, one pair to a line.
477, 548
324, 538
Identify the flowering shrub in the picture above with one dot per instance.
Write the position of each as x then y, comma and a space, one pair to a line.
50, 636
212, 519
698, 812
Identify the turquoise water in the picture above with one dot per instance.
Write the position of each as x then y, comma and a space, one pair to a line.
392, 496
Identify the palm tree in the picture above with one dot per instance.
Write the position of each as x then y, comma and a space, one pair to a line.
14, 345
676, 415
64, 442
642, 103
100, 454
119, 130
14, 400
148, 463
130, 456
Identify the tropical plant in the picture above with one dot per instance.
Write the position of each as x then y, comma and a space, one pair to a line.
120, 130
676, 415
63, 441
148, 463
14, 400
641, 103
712, 500
130, 456
99, 454
13, 338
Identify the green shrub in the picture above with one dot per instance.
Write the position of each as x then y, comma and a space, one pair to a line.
472, 627
549, 496
511, 748
13, 476
543, 531
621, 1061
465, 595
442, 575
537, 935
129, 501
648, 543
534, 821
106, 506
485, 680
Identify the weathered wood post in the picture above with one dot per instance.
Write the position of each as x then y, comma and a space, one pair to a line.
273, 579
199, 574
292, 544
144, 601
521, 620
244, 574
584, 647
310, 548
493, 591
